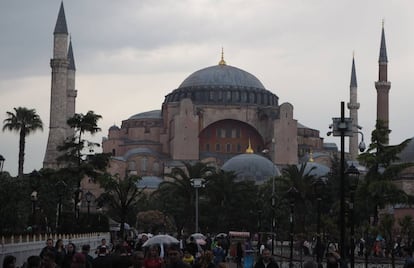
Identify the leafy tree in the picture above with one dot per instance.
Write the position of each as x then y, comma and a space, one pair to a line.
386, 226
24, 121
381, 160
229, 204
78, 157
122, 196
407, 228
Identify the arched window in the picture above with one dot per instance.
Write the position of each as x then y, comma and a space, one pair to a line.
228, 147
156, 168
144, 164
132, 166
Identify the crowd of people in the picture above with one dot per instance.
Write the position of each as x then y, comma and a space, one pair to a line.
189, 253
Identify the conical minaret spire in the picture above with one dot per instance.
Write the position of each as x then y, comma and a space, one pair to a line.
353, 107
61, 27
383, 85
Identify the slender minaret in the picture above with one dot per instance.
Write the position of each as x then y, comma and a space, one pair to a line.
383, 85
71, 89
353, 107
63, 93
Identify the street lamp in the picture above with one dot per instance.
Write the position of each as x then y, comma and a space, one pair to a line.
197, 183
342, 127
353, 177
33, 198
2, 159
77, 200
319, 187
88, 198
291, 195
60, 190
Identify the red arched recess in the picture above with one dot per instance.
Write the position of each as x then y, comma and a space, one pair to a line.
229, 137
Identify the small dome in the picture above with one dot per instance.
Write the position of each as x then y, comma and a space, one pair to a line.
316, 169
154, 114
149, 182
251, 167
114, 127
407, 154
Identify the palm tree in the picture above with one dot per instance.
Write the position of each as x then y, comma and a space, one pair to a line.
122, 196
25, 121
81, 124
179, 193
231, 202
301, 179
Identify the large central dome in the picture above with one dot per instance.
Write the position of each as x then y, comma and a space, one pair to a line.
222, 75
223, 84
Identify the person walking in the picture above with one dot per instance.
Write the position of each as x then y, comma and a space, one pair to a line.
239, 254
48, 248
60, 252
266, 260
174, 259
153, 259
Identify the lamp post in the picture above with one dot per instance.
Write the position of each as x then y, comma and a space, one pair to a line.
77, 200
273, 198
353, 178
273, 203
60, 190
2, 159
319, 185
342, 127
291, 194
88, 198
33, 198
197, 183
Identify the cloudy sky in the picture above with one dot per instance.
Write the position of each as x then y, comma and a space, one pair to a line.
129, 54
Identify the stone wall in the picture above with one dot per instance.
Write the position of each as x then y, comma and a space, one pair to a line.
24, 246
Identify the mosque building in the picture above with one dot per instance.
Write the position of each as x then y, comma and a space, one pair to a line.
213, 116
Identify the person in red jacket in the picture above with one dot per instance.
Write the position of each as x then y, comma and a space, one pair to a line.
153, 259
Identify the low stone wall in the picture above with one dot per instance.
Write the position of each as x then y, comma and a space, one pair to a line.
24, 246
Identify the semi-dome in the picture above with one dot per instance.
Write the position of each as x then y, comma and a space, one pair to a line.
251, 167
223, 84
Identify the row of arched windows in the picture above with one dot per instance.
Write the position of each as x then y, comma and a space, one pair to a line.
225, 95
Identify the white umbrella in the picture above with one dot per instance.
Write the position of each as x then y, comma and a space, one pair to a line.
200, 241
161, 240
198, 236
221, 235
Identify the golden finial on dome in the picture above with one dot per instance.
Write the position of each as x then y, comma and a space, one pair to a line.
249, 149
222, 61
310, 156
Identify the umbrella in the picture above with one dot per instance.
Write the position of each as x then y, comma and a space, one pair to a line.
221, 235
198, 236
200, 241
161, 240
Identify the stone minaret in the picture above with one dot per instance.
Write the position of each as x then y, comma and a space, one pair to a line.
71, 90
353, 107
383, 85
63, 93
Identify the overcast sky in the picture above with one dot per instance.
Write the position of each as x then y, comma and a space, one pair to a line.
129, 54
